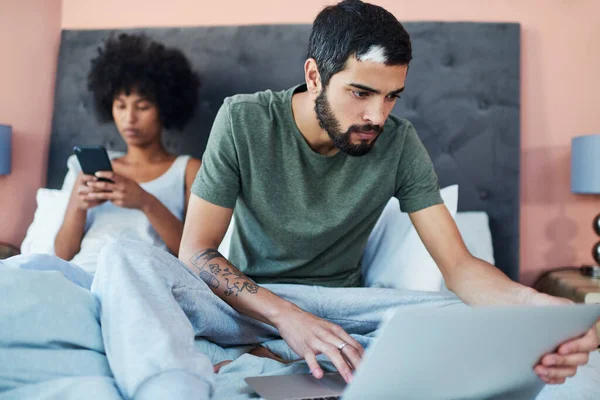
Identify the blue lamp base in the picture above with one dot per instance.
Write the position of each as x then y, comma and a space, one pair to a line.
596, 248
5, 149
594, 270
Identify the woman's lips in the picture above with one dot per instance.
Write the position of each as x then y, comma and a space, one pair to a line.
130, 132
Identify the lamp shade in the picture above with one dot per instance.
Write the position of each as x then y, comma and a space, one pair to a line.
5, 149
585, 164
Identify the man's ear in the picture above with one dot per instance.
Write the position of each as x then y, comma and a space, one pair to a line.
312, 76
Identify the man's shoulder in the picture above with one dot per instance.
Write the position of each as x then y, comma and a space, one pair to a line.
396, 130
398, 125
253, 117
252, 101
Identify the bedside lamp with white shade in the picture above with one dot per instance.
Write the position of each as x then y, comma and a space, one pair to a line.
5, 149
585, 179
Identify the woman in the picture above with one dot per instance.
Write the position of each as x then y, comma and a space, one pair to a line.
142, 87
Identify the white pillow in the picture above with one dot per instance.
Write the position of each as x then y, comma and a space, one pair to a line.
474, 227
50, 212
395, 256
47, 220
226, 242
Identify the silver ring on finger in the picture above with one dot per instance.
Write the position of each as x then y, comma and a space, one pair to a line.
341, 346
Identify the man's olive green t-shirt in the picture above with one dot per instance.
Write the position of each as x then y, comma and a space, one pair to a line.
302, 217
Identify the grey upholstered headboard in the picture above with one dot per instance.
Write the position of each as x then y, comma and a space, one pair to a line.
462, 95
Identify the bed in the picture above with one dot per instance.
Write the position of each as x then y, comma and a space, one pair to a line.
462, 95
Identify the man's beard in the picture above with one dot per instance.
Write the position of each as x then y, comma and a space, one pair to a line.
341, 140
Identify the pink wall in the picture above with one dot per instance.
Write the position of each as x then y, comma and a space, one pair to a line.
29, 42
559, 89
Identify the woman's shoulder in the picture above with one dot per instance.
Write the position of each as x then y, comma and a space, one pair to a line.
114, 155
192, 168
195, 162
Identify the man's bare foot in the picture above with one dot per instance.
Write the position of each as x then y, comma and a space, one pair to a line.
217, 367
263, 352
258, 351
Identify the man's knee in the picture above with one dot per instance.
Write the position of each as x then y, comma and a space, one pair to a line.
118, 257
123, 248
123, 252
123, 258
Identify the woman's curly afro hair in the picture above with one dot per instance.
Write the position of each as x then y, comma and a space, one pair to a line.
164, 75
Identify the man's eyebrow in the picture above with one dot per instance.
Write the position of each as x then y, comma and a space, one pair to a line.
375, 91
396, 92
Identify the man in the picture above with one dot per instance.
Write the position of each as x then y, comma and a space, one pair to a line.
309, 171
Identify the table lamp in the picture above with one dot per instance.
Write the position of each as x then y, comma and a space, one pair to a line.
5, 149
585, 179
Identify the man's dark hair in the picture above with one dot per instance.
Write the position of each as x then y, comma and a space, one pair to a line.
351, 28
129, 62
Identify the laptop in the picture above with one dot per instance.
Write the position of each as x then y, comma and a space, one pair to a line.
448, 353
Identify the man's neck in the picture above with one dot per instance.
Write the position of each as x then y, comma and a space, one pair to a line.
303, 109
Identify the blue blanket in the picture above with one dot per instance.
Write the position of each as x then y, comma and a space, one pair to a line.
50, 339
51, 347
51, 343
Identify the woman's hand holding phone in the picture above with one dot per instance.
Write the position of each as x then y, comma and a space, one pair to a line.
99, 183
80, 196
122, 191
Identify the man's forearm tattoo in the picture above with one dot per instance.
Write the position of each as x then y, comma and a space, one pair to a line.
228, 272
209, 279
235, 288
231, 288
235, 281
200, 259
250, 287
214, 268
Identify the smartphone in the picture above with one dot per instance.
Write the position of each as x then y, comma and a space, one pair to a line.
93, 159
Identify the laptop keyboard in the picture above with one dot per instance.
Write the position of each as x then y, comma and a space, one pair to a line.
322, 398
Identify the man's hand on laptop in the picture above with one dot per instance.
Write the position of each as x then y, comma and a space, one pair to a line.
563, 363
310, 336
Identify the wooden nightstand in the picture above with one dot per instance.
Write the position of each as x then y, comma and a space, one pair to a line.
570, 283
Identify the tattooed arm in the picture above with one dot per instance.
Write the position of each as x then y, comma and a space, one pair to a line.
232, 286
203, 232
308, 335
214, 269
